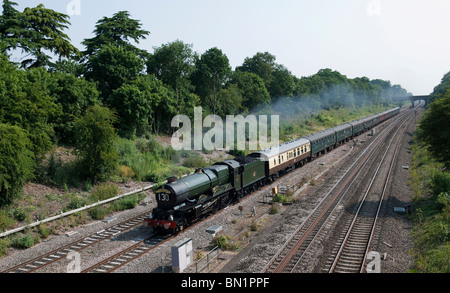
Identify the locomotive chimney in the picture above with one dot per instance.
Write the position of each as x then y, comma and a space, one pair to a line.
171, 179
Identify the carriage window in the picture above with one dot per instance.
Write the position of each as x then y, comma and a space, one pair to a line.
279, 159
274, 161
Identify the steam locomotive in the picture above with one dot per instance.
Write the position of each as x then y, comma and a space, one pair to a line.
184, 201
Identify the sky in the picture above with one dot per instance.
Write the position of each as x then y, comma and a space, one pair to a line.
404, 41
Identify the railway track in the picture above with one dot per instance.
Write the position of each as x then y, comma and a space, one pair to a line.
44, 260
351, 253
291, 253
133, 252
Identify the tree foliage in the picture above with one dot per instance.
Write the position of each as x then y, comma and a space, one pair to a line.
433, 130
173, 64
211, 73
441, 89
137, 104
95, 136
113, 66
252, 89
34, 30
262, 64
119, 30
113, 87
278, 80
16, 162
26, 102
74, 95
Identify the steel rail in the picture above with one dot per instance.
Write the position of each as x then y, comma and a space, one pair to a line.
369, 150
362, 202
127, 255
85, 242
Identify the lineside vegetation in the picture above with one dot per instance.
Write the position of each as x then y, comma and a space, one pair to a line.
431, 185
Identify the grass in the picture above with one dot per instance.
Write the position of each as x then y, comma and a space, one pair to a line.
430, 183
148, 160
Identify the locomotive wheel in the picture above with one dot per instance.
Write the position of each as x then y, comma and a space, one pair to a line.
226, 201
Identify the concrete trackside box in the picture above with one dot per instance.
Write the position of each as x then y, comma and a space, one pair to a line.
182, 255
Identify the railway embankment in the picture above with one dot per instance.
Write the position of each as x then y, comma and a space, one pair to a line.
430, 184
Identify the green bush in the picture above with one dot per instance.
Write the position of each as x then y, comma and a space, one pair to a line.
76, 203
104, 191
16, 162
438, 260
126, 203
274, 210
44, 231
288, 198
221, 241
98, 212
149, 160
19, 215
5, 220
237, 153
4, 244
440, 183
25, 241
66, 175
195, 162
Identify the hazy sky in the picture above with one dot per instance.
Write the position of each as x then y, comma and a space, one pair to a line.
404, 41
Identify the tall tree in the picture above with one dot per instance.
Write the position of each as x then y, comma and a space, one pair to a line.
262, 64
36, 30
113, 66
252, 89
95, 137
363, 90
277, 78
231, 101
282, 84
212, 72
432, 132
119, 30
441, 89
173, 64
11, 28
137, 104
74, 95
433, 129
